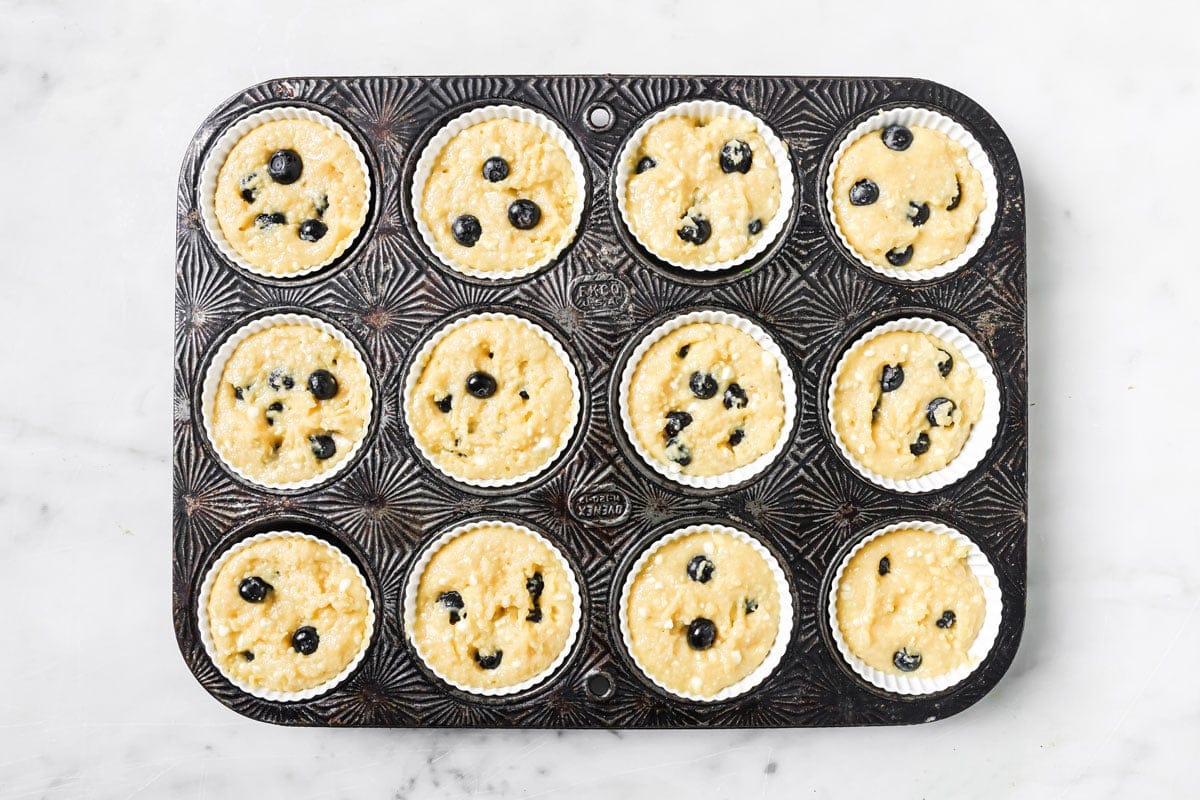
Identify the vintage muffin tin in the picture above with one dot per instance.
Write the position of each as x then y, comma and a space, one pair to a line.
599, 502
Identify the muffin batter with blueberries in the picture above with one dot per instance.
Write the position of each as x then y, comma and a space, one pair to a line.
492, 401
908, 604
905, 403
290, 195
287, 614
701, 191
703, 613
907, 197
292, 402
500, 196
494, 608
706, 399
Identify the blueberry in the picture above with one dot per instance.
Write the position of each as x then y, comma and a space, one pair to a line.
898, 258
237, 392
700, 569
248, 192
488, 660
273, 408
957, 195
947, 619
755, 227
735, 396
891, 377
679, 452
246, 654
940, 412
322, 384
524, 214
268, 220
885, 565
248, 195
896, 137
495, 169
254, 589
683, 351
524, 395
445, 403
702, 385
918, 215
697, 232
452, 602
751, 605
920, 446
285, 166
481, 385
645, 163
466, 230
676, 421
736, 437
906, 661
701, 634
311, 230
322, 445
535, 585
305, 640
864, 192
321, 205
736, 157
944, 367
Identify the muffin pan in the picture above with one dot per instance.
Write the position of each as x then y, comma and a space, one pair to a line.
598, 501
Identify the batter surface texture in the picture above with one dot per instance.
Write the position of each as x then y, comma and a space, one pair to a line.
905, 403
494, 608
285, 213
703, 613
908, 604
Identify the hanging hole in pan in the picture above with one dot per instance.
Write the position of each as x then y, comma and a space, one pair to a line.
599, 685
600, 117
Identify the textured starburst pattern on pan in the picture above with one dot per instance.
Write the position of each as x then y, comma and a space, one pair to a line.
375, 693
374, 501
387, 112
374, 301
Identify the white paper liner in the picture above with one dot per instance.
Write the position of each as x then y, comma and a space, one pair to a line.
708, 109
672, 470
783, 635
922, 118
212, 382
422, 359
992, 614
216, 159
460, 123
978, 442
272, 694
414, 584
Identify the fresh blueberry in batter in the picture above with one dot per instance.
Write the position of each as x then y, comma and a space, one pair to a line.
940, 412
645, 163
736, 437
488, 660
535, 585
702, 385
755, 227
445, 403
679, 452
278, 378
676, 421
285, 166
736, 157
466, 230
254, 589
700, 569
248, 192
237, 392
305, 640
735, 396
944, 367
896, 137
495, 169
322, 384
697, 232
323, 446
947, 619
885, 565
751, 605
268, 220
453, 603
683, 351
274, 408
248, 195
246, 654
906, 661
481, 385
701, 634
898, 258
524, 395
864, 192
891, 377
524, 214
321, 205
920, 446
957, 195
918, 215
311, 230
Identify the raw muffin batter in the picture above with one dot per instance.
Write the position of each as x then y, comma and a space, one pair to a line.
905, 403
908, 604
494, 608
706, 399
701, 191
493, 401
292, 402
703, 613
501, 196
287, 614
907, 197
290, 195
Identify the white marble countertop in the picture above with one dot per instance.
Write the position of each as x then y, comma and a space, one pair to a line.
96, 107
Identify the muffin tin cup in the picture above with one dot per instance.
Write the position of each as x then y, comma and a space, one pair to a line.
705, 110
460, 123
790, 401
212, 382
782, 636
422, 359
980, 567
911, 116
413, 584
980, 439
216, 159
272, 694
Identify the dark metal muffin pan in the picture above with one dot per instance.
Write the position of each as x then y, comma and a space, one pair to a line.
597, 502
